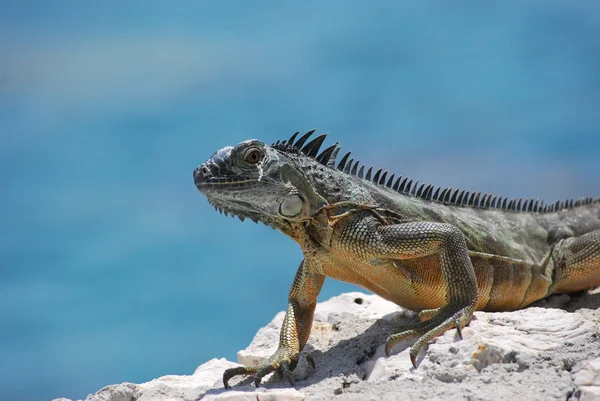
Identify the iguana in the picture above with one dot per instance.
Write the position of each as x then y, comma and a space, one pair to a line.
442, 252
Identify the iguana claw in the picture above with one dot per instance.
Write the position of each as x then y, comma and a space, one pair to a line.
413, 359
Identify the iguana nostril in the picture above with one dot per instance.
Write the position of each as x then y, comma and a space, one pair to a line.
200, 173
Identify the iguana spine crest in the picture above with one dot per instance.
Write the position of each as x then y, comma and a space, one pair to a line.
405, 185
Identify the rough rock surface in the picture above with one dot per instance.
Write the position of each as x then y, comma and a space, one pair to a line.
550, 351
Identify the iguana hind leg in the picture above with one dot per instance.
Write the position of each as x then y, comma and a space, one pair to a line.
295, 329
577, 263
415, 240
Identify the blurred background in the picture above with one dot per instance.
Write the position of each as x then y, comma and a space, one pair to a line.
113, 267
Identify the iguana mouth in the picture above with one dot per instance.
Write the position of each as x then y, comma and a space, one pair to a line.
205, 176
223, 182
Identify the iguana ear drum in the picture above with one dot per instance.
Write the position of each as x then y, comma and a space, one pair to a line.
291, 206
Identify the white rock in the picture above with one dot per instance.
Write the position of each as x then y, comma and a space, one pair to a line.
176, 388
117, 392
530, 330
358, 304
492, 337
508, 355
257, 395
588, 380
168, 388
212, 371
382, 367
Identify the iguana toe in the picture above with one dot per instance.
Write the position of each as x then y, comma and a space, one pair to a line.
240, 370
398, 337
286, 372
262, 372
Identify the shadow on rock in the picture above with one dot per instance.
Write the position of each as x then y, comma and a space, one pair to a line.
345, 359
571, 302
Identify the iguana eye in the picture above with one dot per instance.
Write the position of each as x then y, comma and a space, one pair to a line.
253, 156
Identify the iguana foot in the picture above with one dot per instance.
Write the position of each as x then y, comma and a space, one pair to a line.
445, 319
281, 360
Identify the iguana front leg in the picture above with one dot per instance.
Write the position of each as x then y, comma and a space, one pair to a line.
302, 301
367, 238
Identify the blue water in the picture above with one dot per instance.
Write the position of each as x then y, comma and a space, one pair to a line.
113, 267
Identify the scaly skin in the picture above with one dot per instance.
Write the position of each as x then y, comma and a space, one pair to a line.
444, 255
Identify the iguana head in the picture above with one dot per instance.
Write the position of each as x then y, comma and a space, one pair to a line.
260, 182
